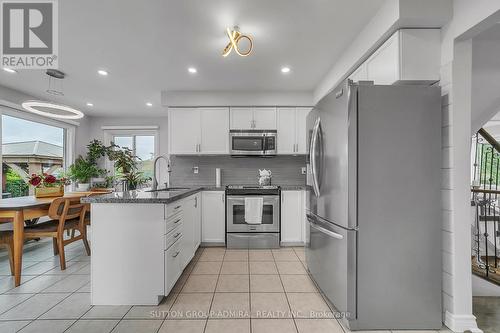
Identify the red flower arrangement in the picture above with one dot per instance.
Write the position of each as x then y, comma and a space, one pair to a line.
46, 180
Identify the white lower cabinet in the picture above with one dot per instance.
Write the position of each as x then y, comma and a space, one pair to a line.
183, 238
292, 217
173, 265
213, 218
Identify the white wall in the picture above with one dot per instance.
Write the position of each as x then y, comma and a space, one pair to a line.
485, 77
236, 98
456, 83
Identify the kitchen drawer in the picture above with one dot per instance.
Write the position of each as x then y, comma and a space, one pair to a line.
253, 240
172, 222
173, 209
173, 236
173, 268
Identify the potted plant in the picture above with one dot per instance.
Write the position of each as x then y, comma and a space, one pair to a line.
134, 179
47, 185
82, 171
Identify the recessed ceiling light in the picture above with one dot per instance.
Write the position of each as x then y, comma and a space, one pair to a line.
32, 106
149, 104
192, 70
102, 72
9, 70
90, 104
285, 69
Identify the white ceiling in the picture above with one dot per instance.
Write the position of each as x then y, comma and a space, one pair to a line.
147, 47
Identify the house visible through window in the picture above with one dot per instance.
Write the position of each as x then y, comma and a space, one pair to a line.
29, 147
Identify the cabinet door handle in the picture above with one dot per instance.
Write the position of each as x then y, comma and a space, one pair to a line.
176, 254
195, 202
177, 207
177, 221
177, 235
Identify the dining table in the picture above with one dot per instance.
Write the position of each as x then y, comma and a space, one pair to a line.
20, 209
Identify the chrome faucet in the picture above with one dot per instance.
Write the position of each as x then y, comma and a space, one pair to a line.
154, 186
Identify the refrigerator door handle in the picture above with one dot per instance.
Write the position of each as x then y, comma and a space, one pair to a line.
314, 162
324, 231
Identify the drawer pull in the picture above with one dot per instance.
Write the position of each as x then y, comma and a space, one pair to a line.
176, 254
177, 221
177, 235
177, 207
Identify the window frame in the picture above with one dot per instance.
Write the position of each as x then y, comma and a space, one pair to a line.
69, 133
111, 133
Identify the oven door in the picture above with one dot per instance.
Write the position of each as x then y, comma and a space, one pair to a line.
236, 215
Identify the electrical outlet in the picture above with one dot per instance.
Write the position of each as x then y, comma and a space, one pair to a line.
195, 169
304, 170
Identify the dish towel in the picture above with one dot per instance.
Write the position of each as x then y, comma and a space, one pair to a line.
253, 210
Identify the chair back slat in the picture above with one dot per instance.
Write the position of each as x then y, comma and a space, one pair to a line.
64, 209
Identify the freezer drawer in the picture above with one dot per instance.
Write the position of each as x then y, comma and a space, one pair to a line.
330, 259
255, 240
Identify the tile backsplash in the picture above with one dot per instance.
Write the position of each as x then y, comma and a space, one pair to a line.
286, 170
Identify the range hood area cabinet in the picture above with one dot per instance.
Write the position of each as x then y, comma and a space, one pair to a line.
253, 118
195, 131
292, 130
408, 56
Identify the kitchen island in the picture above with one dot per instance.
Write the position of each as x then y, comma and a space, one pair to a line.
141, 242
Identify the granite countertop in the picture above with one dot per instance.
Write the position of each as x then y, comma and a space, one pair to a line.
163, 197
142, 196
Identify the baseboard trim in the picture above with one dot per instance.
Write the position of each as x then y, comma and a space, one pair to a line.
292, 244
461, 323
212, 244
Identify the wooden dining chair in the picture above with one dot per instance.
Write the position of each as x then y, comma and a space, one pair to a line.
7, 240
87, 210
65, 214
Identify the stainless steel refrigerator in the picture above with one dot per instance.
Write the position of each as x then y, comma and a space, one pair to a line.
374, 209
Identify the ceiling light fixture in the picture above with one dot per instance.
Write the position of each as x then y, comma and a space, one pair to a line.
192, 70
90, 104
285, 70
149, 104
32, 106
102, 72
235, 36
9, 70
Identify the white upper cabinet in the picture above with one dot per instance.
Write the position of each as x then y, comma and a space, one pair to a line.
292, 130
301, 129
409, 55
214, 130
198, 131
253, 118
241, 118
264, 118
184, 130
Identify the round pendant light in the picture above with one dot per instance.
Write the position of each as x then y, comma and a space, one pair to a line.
52, 110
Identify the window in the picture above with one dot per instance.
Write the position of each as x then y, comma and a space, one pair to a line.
143, 143
29, 147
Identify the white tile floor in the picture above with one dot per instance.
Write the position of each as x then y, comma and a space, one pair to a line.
220, 291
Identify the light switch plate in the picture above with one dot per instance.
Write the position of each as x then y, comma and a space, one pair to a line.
195, 169
304, 170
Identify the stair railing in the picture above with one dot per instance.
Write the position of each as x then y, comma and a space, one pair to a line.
485, 193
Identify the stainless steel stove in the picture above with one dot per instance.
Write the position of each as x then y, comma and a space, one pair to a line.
241, 235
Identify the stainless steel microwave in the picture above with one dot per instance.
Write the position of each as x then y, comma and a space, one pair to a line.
253, 142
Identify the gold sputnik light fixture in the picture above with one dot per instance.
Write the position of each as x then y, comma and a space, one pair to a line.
235, 36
